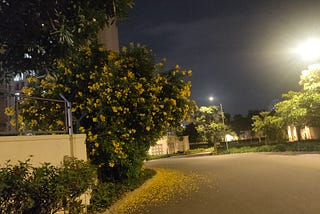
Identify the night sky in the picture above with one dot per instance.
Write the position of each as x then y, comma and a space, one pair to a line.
240, 51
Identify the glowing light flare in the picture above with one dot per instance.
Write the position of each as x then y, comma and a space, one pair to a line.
309, 50
211, 98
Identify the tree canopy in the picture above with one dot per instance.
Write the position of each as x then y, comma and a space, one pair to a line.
298, 108
269, 125
124, 102
208, 122
302, 107
35, 34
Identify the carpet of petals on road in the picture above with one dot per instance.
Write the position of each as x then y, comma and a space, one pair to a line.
164, 186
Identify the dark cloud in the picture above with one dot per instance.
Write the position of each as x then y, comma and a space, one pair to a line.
238, 50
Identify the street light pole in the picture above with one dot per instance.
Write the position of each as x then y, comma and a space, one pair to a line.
224, 127
223, 123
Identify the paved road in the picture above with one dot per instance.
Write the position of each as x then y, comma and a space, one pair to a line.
247, 183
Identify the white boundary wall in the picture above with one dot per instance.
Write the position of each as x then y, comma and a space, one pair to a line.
43, 148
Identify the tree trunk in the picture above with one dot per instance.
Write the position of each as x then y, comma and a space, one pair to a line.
298, 128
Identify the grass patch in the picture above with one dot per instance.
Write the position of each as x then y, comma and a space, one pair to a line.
303, 146
105, 194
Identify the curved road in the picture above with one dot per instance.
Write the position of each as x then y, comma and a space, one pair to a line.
246, 183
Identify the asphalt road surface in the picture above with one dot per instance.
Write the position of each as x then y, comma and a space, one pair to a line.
247, 183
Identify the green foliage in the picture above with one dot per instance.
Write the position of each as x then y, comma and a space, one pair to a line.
302, 107
270, 125
35, 34
44, 189
291, 109
124, 102
191, 131
208, 122
241, 123
298, 108
310, 79
302, 146
14, 197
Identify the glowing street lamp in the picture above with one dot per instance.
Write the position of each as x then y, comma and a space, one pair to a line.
309, 50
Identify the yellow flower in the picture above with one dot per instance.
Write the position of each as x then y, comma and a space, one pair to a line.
112, 56
13, 123
91, 137
81, 129
67, 71
141, 99
96, 145
33, 123
102, 118
88, 51
148, 128
60, 122
130, 74
31, 79
174, 102
132, 131
94, 119
26, 90
111, 164
9, 111
20, 118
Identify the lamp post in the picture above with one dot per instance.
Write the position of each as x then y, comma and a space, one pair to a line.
223, 123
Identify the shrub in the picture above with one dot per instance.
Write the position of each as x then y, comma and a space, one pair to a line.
14, 197
45, 189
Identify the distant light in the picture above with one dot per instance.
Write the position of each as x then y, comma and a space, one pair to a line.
211, 98
310, 49
229, 138
27, 56
18, 77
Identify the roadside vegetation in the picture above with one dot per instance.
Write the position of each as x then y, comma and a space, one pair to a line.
46, 188
124, 101
234, 148
302, 146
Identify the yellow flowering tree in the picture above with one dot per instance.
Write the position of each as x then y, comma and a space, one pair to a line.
124, 102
